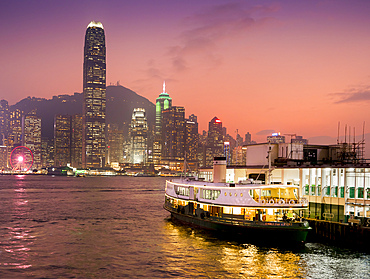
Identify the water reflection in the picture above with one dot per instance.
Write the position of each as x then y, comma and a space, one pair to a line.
16, 240
226, 258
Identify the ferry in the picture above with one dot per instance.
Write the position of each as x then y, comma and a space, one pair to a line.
260, 212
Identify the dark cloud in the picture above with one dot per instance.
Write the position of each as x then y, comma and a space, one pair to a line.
353, 95
212, 25
265, 132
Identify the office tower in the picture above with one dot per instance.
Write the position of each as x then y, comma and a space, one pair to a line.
76, 140
4, 121
173, 135
276, 138
47, 152
247, 138
32, 136
94, 101
15, 133
299, 139
238, 140
3, 157
163, 102
139, 136
192, 138
62, 140
115, 144
215, 141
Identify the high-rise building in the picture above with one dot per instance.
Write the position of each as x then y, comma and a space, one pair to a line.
163, 102
276, 138
62, 140
4, 121
32, 137
139, 137
3, 157
47, 152
15, 134
247, 138
192, 138
173, 135
215, 141
76, 140
94, 101
115, 144
68, 140
299, 139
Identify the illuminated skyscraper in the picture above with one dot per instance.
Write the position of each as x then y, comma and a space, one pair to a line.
15, 134
115, 141
4, 120
62, 140
173, 135
32, 136
76, 140
139, 137
94, 102
215, 141
192, 138
164, 101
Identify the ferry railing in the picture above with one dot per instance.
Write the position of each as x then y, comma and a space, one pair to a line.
237, 221
271, 201
328, 216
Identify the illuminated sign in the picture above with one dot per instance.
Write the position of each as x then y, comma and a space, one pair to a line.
275, 134
218, 121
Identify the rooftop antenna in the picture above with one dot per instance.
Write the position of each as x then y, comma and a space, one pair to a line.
363, 141
338, 132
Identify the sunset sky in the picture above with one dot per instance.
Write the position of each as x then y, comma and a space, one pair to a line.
295, 67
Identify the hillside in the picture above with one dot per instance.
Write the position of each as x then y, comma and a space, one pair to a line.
120, 103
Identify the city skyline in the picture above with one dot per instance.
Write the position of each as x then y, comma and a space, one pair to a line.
259, 66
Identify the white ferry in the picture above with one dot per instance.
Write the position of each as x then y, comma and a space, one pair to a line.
262, 212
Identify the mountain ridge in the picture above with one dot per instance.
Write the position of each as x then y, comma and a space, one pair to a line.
119, 107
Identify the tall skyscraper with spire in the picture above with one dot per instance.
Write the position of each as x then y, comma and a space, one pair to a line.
164, 101
94, 101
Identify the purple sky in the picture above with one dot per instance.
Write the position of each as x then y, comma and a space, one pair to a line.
286, 66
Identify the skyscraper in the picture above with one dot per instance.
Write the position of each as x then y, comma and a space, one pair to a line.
94, 102
215, 141
173, 135
62, 140
115, 141
163, 102
4, 121
76, 140
32, 136
15, 134
192, 138
139, 137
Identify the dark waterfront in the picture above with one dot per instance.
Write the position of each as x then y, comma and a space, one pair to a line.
116, 227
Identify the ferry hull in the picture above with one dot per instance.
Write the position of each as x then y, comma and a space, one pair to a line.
266, 232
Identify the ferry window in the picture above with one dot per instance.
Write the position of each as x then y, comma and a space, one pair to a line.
211, 194
266, 193
183, 191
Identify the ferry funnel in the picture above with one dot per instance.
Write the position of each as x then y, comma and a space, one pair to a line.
219, 169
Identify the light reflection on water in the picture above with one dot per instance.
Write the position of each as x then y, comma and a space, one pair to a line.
59, 227
215, 258
17, 239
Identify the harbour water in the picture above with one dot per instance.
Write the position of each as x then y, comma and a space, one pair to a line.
116, 227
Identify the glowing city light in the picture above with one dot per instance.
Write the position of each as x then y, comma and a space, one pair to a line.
20, 159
